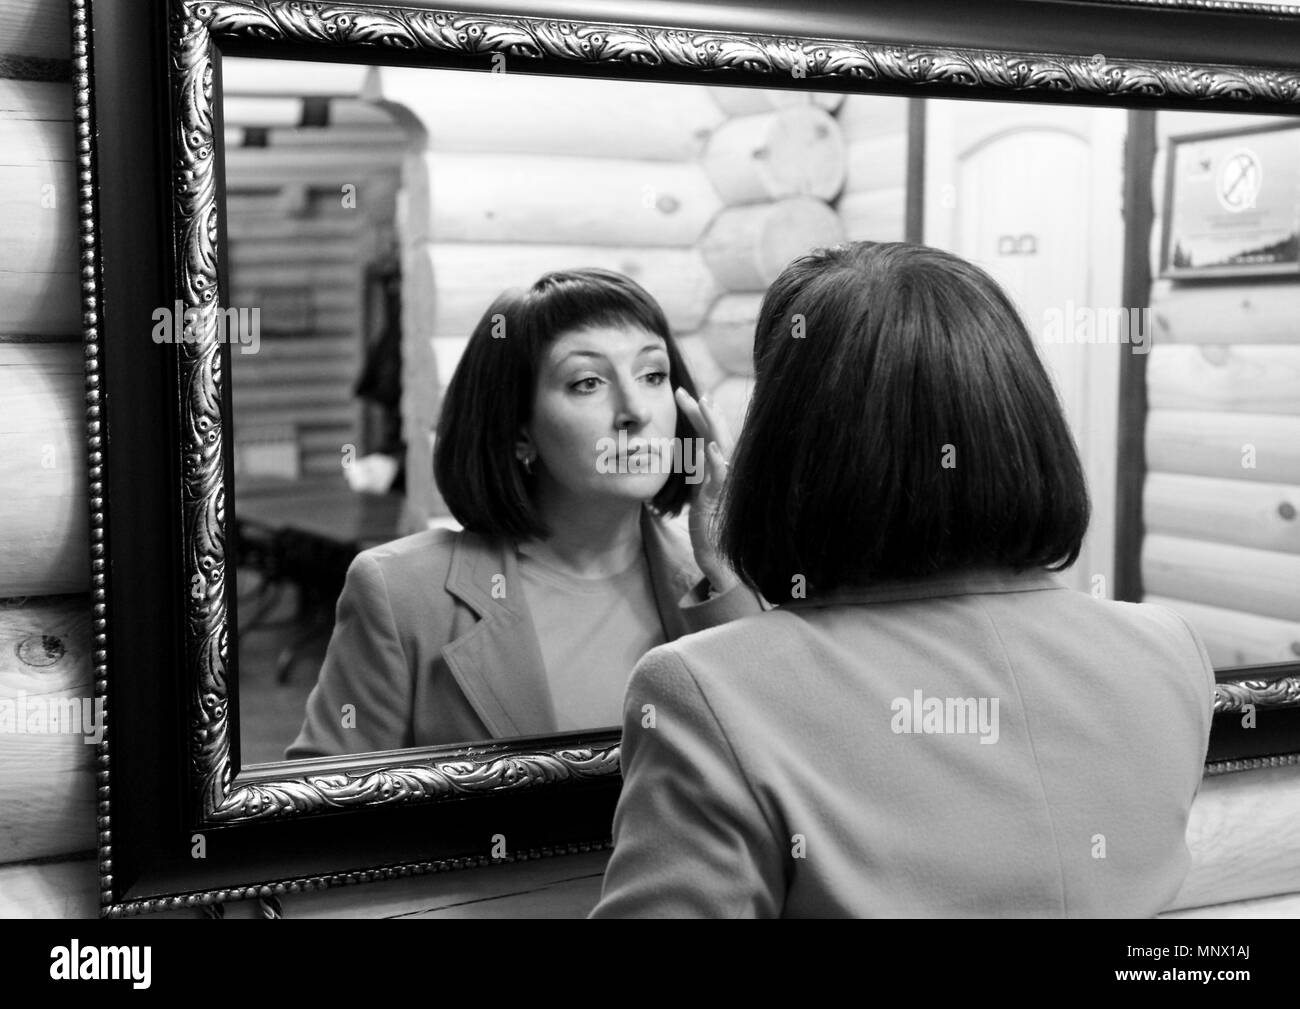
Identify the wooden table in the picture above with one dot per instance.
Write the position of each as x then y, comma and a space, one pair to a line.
328, 511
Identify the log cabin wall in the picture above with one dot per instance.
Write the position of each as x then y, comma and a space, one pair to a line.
1222, 537
1242, 833
46, 785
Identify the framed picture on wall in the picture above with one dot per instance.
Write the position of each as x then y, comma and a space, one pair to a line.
1234, 202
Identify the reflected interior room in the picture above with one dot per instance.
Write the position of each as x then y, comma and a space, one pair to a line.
372, 219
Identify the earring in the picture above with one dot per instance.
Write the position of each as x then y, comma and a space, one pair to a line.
528, 464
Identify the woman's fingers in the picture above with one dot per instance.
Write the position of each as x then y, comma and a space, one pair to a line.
717, 468
707, 420
719, 430
687, 404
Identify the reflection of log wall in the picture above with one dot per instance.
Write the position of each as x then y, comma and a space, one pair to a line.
873, 204
1221, 501
703, 201
1240, 837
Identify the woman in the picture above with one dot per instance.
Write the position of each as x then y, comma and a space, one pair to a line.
560, 452
929, 723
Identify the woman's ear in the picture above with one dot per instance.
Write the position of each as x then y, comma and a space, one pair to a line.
524, 447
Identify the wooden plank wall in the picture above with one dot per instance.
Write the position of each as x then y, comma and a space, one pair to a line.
307, 209
1242, 833
1222, 495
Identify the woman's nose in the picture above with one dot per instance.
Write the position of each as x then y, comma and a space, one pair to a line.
632, 409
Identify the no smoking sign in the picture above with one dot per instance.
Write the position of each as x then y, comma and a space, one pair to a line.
1239, 181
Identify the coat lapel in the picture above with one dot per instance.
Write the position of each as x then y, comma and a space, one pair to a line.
498, 662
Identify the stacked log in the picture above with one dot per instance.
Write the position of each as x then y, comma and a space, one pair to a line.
873, 205
46, 778
779, 163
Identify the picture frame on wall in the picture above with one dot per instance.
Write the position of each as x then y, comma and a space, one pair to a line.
1234, 203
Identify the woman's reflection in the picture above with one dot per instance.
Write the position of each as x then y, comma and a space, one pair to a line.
569, 435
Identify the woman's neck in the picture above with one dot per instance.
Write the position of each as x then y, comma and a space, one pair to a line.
589, 540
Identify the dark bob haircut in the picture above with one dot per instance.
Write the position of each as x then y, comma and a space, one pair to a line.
902, 425
491, 394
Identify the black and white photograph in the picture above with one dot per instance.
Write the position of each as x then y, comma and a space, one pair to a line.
584, 459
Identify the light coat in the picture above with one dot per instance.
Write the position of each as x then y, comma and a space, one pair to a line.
433, 641
782, 774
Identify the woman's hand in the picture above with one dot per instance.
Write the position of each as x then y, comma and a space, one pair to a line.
712, 428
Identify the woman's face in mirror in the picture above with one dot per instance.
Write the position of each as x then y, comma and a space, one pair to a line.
593, 384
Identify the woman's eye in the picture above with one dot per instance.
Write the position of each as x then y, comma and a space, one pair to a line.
657, 377
582, 386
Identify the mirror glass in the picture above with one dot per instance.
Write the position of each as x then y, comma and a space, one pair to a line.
375, 216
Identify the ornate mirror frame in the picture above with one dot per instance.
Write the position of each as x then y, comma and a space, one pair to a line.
150, 190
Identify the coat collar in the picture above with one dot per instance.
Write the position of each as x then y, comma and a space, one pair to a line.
498, 663
969, 581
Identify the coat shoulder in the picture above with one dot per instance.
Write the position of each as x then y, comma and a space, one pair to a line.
425, 554
741, 649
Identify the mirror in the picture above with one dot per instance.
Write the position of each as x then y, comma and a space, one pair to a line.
375, 214
349, 222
